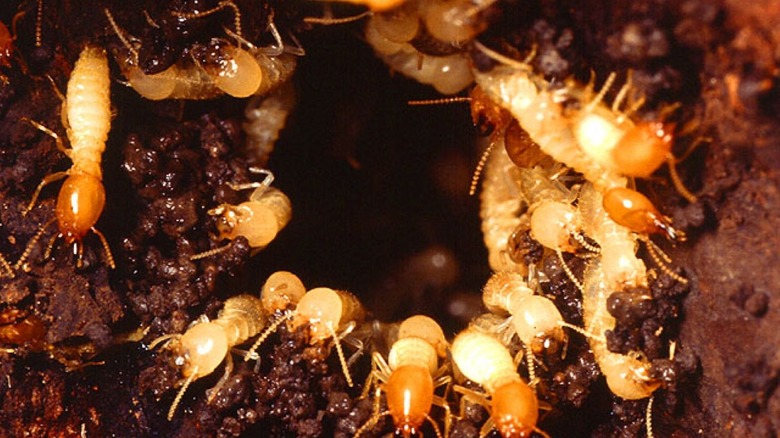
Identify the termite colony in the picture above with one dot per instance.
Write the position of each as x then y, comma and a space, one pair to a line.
571, 297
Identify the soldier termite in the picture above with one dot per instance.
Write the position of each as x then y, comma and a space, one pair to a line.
87, 113
206, 344
259, 219
513, 406
410, 376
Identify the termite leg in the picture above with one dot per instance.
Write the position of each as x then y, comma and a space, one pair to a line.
109, 256
265, 183
31, 244
222, 380
6, 266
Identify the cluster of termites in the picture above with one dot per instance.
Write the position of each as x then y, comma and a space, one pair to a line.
561, 173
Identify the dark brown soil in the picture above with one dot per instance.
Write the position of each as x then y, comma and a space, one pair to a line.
379, 190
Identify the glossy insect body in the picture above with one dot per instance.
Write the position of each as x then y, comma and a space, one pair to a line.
259, 219
281, 291
407, 378
535, 318
87, 112
204, 346
540, 113
634, 211
513, 407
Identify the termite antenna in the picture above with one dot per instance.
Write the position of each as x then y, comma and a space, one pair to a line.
211, 252
649, 417
583, 332
222, 5
181, 392
7, 267
435, 427
330, 21
370, 423
661, 259
568, 271
678, 184
585, 244
38, 24
340, 353
120, 33
32, 243
441, 101
492, 54
267, 332
600, 96
164, 338
478, 171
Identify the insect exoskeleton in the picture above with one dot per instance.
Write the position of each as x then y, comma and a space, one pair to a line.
18, 328
281, 291
215, 68
259, 219
513, 406
410, 376
612, 139
628, 375
264, 118
449, 74
617, 269
327, 313
87, 111
322, 312
634, 211
206, 344
537, 106
535, 318
6, 45
500, 210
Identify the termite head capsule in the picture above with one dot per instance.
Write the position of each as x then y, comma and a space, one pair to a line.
515, 410
282, 290
79, 205
552, 224
634, 211
409, 412
259, 220
201, 349
643, 148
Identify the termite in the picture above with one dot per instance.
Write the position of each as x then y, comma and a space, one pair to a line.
206, 344
18, 328
447, 74
535, 318
264, 118
513, 406
617, 269
259, 219
87, 115
538, 108
217, 68
323, 313
6, 46
409, 378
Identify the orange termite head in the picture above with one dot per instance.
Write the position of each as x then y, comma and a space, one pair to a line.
515, 410
79, 205
409, 393
634, 211
6, 45
643, 148
486, 114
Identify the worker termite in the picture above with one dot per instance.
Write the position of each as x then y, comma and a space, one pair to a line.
536, 320
216, 68
323, 313
206, 344
448, 74
617, 269
87, 115
259, 219
513, 406
409, 378
264, 118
